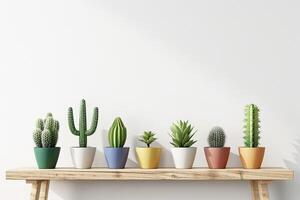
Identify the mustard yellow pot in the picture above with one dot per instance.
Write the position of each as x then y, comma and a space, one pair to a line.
251, 158
148, 158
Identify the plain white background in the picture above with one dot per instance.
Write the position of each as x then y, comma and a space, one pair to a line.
150, 62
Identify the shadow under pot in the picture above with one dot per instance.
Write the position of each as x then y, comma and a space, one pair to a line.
83, 157
46, 158
217, 157
149, 157
251, 158
116, 158
184, 157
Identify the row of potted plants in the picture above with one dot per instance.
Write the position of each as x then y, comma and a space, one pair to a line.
182, 133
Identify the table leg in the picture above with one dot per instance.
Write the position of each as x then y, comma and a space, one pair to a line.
39, 189
44, 190
35, 189
260, 190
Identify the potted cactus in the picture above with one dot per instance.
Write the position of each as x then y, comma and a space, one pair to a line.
183, 153
148, 157
83, 156
116, 154
45, 137
216, 154
251, 155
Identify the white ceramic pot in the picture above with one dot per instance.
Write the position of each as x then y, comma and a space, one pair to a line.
83, 157
184, 157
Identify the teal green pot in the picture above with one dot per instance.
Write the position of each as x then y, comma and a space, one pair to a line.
46, 158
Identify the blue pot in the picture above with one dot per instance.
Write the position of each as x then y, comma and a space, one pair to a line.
116, 158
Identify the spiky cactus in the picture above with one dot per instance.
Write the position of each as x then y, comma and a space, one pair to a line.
216, 137
147, 138
83, 132
251, 127
117, 134
46, 133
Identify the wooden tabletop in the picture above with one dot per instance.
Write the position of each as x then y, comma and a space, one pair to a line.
150, 174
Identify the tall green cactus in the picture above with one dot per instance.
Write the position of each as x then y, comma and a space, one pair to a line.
83, 132
117, 134
46, 133
216, 137
251, 127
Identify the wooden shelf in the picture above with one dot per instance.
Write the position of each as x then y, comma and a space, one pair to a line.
194, 174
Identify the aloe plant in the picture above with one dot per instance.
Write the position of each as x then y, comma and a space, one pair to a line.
182, 134
46, 133
147, 138
117, 134
216, 137
251, 127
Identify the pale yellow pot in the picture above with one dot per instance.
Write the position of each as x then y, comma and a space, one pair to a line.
251, 158
148, 158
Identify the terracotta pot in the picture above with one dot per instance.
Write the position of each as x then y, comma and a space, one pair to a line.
251, 158
217, 157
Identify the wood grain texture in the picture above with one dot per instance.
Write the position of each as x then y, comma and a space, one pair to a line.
150, 174
35, 189
259, 190
44, 190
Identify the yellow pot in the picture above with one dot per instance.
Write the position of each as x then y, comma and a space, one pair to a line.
148, 157
251, 158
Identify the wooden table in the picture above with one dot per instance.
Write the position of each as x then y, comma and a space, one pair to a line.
259, 178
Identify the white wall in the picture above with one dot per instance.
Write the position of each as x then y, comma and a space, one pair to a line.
151, 62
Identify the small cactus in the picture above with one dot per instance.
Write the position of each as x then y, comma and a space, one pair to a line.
46, 133
216, 137
117, 134
82, 132
251, 127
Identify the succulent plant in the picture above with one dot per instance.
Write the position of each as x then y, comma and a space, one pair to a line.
216, 137
46, 133
251, 127
82, 132
147, 138
117, 134
182, 134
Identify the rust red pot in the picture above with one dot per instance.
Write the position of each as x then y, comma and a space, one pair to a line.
217, 157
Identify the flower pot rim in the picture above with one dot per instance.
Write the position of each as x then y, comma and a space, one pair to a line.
47, 147
117, 147
217, 147
148, 147
88, 147
184, 147
252, 147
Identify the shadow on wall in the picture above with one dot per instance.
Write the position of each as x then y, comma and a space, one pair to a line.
147, 190
289, 190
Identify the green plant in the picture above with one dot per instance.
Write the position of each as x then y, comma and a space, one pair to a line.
46, 133
147, 138
117, 134
83, 132
182, 134
251, 127
216, 137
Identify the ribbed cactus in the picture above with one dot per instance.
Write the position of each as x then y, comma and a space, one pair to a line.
251, 127
83, 132
216, 137
46, 133
117, 134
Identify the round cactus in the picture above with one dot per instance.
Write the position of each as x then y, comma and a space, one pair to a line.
37, 137
117, 134
216, 137
46, 138
46, 132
